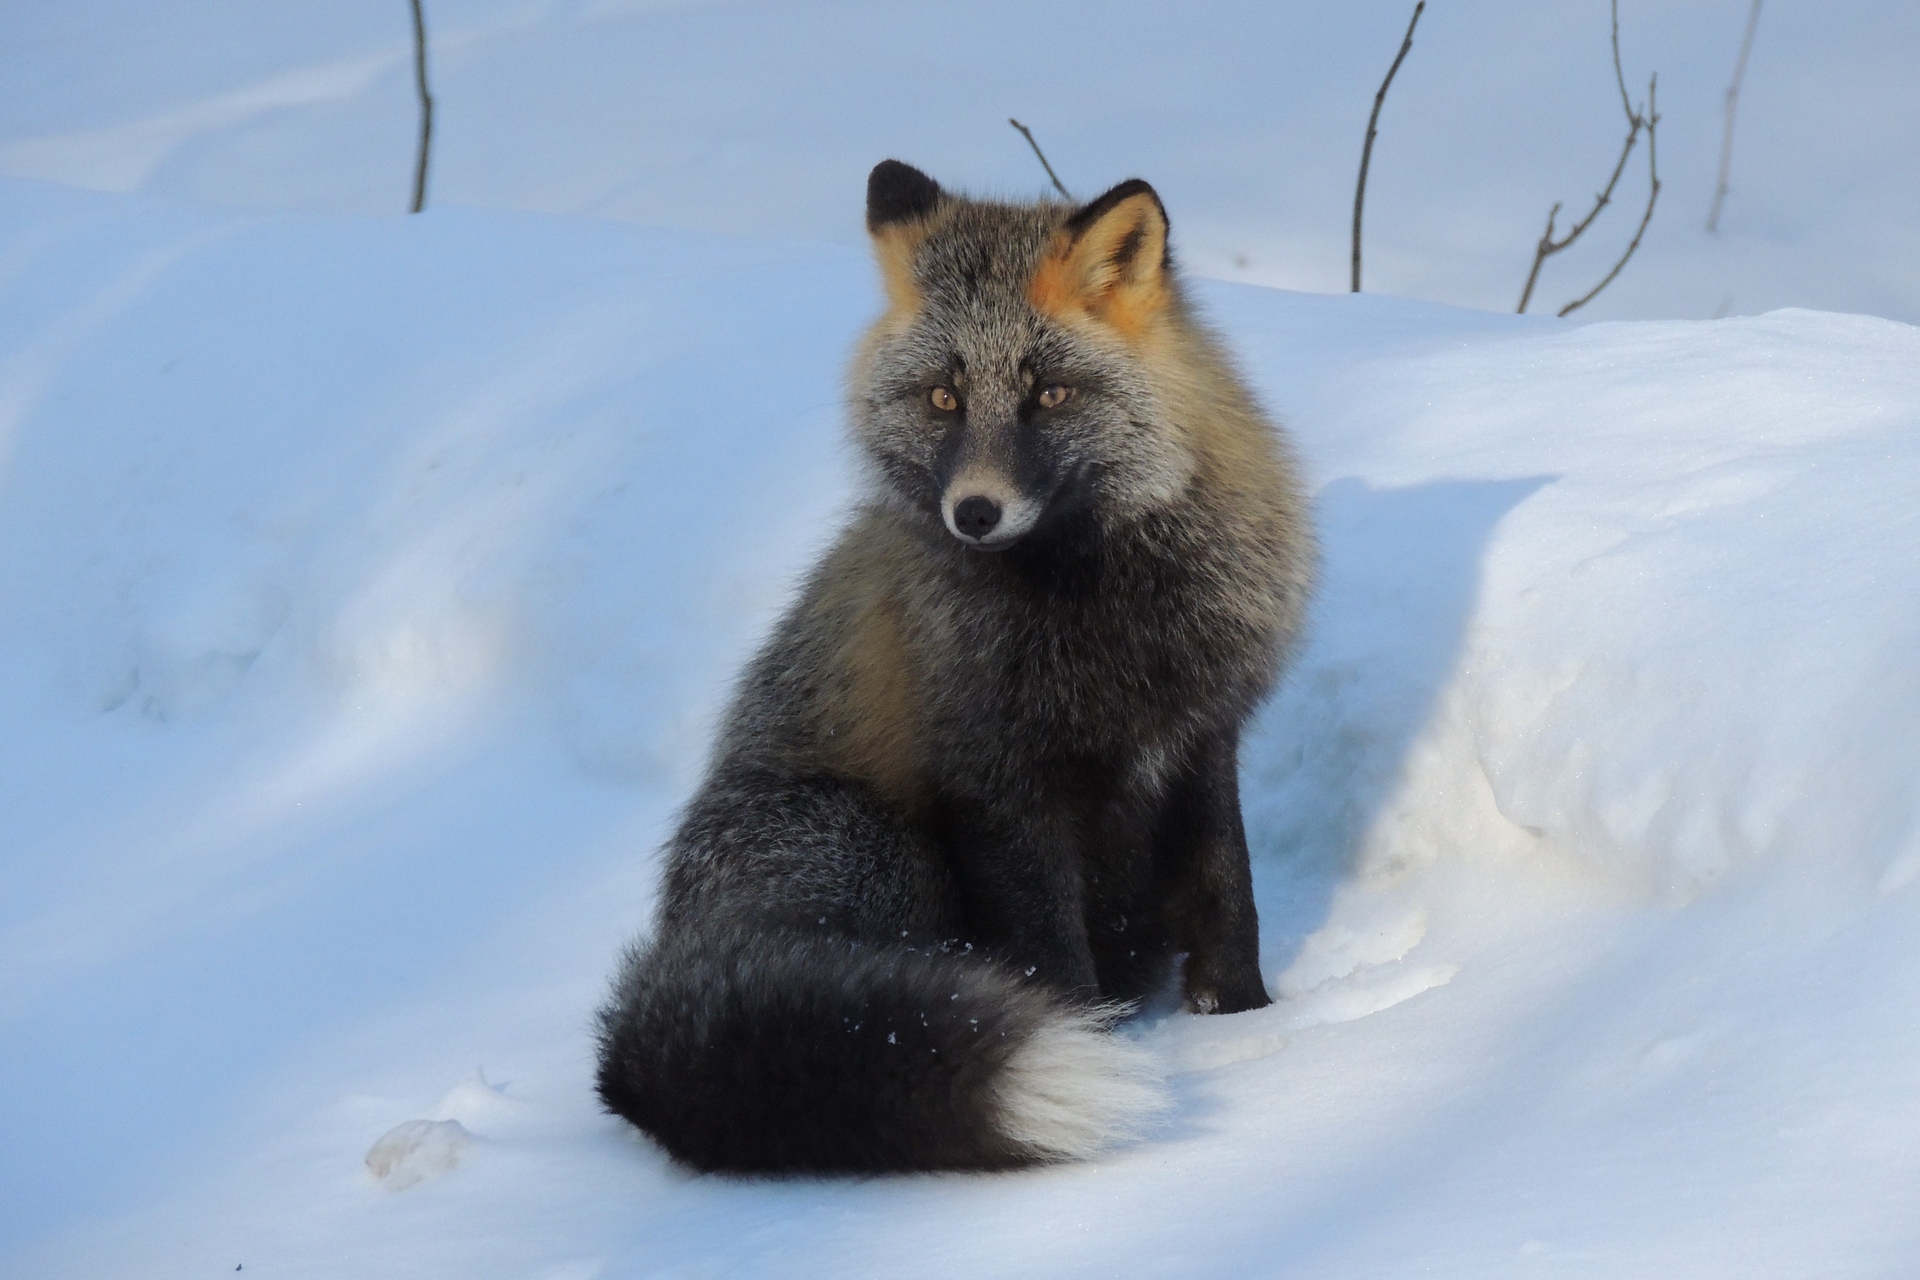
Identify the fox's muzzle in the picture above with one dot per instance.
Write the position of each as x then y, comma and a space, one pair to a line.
986, 512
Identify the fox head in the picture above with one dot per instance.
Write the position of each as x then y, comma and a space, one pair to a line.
1019, 378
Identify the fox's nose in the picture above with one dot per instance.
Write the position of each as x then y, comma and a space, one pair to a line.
976, 516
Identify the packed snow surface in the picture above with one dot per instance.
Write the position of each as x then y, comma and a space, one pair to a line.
369, 587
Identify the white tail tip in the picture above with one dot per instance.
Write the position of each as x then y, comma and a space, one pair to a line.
1073, 1089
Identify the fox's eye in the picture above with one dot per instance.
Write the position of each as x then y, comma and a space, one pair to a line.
1055, 396
944, 400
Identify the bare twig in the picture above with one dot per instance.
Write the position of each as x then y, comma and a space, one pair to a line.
426, 107
1028, 133
1733, 103
1653, 194
1636, 121
1541, 252
1373, 127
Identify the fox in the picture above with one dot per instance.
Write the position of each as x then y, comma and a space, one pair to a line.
977, 796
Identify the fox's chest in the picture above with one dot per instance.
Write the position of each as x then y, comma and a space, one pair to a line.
1117, 680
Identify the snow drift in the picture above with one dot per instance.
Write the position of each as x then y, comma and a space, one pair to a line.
367, 588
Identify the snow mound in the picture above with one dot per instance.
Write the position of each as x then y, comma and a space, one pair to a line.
368, 590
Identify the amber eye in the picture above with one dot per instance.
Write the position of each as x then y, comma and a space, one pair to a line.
1054, 397
944, 400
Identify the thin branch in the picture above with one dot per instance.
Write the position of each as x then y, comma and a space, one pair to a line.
1619, 76
1733, 103
1057, 184
1653, 194
1373, 127
426, 107
1548, 246
1636, 121
1541, 252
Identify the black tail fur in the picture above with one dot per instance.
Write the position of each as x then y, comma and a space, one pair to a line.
776, 1051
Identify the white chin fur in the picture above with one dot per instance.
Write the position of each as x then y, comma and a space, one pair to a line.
1073, 1089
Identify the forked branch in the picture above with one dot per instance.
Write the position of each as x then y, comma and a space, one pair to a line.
1373, 127
1646, 215
1644, 119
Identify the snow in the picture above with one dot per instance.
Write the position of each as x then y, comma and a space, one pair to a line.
758, 117
408, 1154
369, 586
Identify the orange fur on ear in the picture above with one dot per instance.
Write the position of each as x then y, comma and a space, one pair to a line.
894, 247
1108, 262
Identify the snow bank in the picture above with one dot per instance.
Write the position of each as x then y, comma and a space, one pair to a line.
1689, 642
367, 588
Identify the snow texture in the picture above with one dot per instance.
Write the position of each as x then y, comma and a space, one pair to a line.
369, 587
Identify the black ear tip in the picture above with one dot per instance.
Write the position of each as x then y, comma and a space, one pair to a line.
1132, 187
1092, 211
898, 192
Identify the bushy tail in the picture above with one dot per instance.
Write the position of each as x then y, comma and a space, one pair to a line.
768, 1052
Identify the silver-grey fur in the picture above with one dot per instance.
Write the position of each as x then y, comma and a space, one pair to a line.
976, 787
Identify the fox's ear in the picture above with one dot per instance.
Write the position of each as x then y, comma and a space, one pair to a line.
899, 200
1109, 260
898, 193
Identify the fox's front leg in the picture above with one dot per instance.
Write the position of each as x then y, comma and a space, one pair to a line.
1205, 861
1022, 887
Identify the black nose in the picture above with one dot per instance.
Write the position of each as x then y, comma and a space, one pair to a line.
976, 516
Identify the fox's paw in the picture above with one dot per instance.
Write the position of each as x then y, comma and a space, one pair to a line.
1244, 991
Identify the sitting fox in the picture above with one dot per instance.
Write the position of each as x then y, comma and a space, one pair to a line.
978, 792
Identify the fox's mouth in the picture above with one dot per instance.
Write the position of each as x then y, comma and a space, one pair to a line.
995, 541
988, 544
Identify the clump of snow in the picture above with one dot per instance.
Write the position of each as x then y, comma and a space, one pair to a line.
1336, 951
410, 1153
